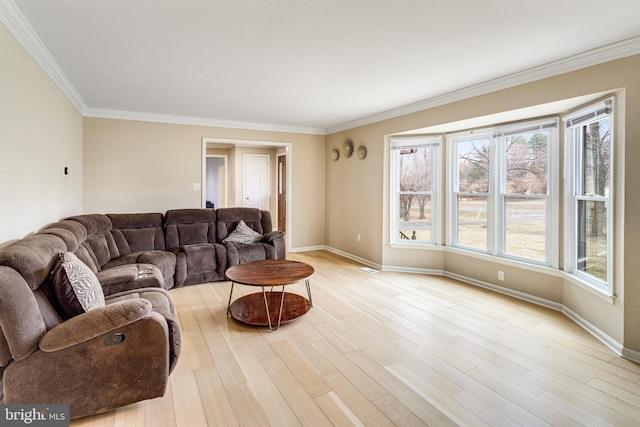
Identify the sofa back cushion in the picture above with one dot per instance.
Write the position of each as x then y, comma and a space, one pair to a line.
33, 257
99, 247
189, 227
229, 218
72, 232
138, 232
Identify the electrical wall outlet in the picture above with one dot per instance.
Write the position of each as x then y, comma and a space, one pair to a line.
500, 275
358, 237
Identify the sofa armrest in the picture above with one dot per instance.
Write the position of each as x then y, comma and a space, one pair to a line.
94, 323
271, 236
95, 376
276, 238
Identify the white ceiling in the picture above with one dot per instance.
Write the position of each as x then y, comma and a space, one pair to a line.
311, 66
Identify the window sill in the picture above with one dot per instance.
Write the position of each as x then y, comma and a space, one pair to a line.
418, 246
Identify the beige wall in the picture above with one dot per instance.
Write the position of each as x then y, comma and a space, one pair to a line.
151, 167
40, 134
357, 200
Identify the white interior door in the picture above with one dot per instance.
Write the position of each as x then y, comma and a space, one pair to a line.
256, 181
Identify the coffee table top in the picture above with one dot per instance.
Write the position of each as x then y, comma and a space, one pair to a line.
270, 272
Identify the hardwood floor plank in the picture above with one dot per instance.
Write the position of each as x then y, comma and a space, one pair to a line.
300, 368
511, 388
443, 403
296, 395
215, 401
161, 411
357, 377
337, 411
589, 400
261, 384
355, 400
399, 414
413, 402
247, 409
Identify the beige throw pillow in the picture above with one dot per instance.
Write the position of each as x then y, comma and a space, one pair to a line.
243, 234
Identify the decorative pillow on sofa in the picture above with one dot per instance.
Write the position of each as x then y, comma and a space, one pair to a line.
243, 234
75, 286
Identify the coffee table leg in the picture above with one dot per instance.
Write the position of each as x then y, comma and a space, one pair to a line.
306, 282
229, 303
266, 307
281, 304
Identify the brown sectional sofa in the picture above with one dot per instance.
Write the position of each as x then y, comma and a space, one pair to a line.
86, 361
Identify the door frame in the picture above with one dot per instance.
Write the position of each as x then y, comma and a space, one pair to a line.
262, 144
287, 179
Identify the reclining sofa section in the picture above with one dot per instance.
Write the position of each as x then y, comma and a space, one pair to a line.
47, 357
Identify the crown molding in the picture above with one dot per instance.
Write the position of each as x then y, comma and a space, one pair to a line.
22, 31
592, 57
197, 121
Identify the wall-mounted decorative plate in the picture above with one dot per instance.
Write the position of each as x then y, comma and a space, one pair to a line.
347, 148
335, 154
361, 152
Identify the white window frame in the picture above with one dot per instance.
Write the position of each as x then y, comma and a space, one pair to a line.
415, 141
573, 123
496, 222
453, 185
552, 197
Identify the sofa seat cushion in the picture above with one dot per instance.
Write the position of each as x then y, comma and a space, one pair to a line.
75, 286
130, 276
164, 260
239, 254
200, 263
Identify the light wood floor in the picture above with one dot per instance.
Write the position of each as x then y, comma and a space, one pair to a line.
387, 349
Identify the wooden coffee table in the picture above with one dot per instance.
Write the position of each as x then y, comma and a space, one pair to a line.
263, 308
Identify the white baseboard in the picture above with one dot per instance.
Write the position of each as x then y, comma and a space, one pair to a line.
506, 291
632, 355
414, 270
354, 258
615, 346
308, 249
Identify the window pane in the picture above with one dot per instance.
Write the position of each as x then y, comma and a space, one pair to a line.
415, 217
472, 221
525, 228
592, 238
415, 169
473, 166
596, 147
526, 163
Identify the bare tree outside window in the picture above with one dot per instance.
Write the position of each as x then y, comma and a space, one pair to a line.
592, 202
415, 193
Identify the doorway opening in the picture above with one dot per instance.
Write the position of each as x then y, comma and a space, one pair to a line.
215, 190
241, 178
